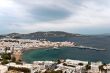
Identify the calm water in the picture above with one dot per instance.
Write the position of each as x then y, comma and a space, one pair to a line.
73, 53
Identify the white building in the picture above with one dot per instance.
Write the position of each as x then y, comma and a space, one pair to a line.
28, 66
75, 62
3, 69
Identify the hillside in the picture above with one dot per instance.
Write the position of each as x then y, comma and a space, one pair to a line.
36, 35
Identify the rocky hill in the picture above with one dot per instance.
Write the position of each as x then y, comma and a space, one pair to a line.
36, 35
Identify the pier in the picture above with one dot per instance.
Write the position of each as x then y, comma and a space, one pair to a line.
91, 48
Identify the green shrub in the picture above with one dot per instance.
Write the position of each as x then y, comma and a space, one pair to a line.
6, 56
25, 70
4, 61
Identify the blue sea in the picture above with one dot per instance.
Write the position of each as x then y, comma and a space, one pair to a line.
73, 53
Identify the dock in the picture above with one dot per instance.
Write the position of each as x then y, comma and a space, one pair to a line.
91, 48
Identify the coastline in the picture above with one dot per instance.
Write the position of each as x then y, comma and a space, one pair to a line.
35, 45
79, 54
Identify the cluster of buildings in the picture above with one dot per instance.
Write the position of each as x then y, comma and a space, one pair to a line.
76, 66
65, 66
17, 46
27, 43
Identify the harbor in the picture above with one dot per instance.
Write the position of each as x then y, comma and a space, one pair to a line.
38, 59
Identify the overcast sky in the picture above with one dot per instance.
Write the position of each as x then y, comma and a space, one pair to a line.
76, 16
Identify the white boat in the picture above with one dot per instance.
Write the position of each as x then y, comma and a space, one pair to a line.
55, 47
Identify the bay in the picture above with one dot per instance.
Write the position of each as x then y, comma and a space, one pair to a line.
73, 53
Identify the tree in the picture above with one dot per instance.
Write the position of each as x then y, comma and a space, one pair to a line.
81, 64
6, 56
101, 68
4, 61
88, 67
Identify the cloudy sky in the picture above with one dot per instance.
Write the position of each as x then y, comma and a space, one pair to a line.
76, 16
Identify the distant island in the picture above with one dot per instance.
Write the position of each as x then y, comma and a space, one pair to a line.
41, 34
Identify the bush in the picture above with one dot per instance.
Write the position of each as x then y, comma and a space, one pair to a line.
88, 67
4, 62
25, 70
54, 71
6, 56
13, 59
18, 62
81, 64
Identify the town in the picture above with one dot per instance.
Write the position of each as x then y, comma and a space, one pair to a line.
11, 59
